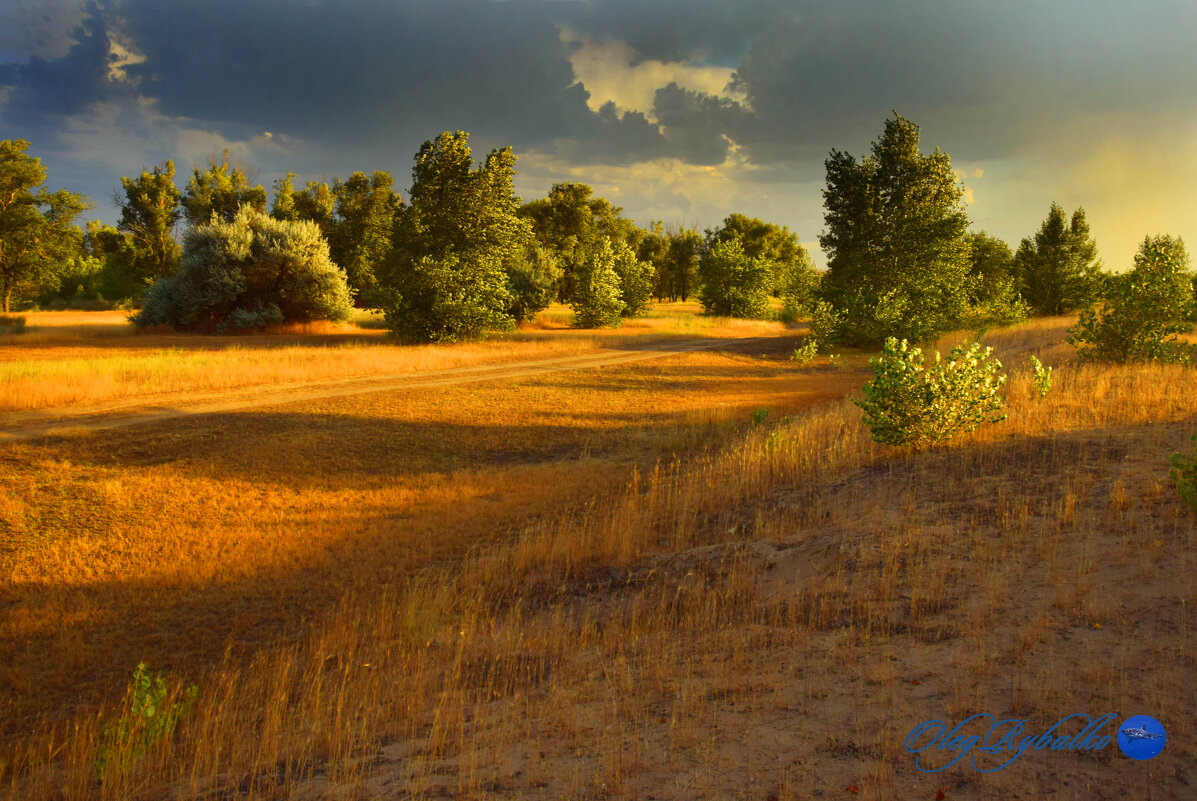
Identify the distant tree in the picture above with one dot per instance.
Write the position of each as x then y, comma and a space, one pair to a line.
734, 284
317, 202
678, 276
773, 243
1142, 311
284, 199
897, 258
220, 189
532, 283
455, 244
800, 290
636, 280
572, 222
365, 212
248, 273
1058, 269
596, 302
993, 292
37, 231
149, 212
115, 251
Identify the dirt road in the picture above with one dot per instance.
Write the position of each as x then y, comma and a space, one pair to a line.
148, 409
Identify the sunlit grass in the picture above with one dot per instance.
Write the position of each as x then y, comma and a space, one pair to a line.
609, 584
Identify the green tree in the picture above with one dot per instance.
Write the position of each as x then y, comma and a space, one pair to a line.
800, 289
533, 283
38, 235
316, 202
993, 291
248, 273
455, 245
775, 244
1142, 311
284, 199
220, 189
734, 284
149, 212
364, 221
1057, 269
596, 302
897, 258
573, 223
678, 276
636, 280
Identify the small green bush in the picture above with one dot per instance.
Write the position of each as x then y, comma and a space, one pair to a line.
1184, 473
760, 415
149, 717
908, 403
1042, 377
807, 353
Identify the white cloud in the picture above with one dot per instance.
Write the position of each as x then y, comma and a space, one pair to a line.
610, 73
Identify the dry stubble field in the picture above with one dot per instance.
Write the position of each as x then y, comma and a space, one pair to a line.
595, 583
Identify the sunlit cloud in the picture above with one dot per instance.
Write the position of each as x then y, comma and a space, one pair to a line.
611, 71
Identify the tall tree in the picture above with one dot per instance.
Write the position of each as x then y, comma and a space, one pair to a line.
1058, 269
455, 244
37, 230
679, 275
220, 189
897, 258
149, 212
365, 212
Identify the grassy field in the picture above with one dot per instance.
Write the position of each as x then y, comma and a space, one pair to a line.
605, 583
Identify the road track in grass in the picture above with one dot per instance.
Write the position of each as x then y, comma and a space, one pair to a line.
19, 426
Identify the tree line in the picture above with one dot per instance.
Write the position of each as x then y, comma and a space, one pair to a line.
461, 256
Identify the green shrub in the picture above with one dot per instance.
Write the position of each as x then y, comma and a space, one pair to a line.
596, 298
1184, 473
1142, 311
1042, 376
760, 415
149, 717
733, 283
807, 353
636, 280
247, 273
907, 402
455, 298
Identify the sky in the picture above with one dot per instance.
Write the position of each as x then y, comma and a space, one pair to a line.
677, 110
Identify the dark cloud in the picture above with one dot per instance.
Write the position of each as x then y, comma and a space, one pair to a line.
41, 88
359, 84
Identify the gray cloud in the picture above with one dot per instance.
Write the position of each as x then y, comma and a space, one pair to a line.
359, 84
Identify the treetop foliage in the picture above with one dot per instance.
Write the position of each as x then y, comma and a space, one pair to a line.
897, 258
220, 189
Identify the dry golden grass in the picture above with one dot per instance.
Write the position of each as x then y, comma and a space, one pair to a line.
87, 357
608, 585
